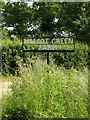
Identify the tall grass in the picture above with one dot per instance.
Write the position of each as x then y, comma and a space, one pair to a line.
43, 91
12, 54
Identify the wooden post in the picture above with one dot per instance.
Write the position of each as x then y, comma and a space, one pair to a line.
48, 58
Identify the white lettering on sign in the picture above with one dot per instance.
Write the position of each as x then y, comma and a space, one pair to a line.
62, 41
37, 41
58, 41
46, 44
44, 47
54, 47
39, 47
66, 41
47, 47
70, 41
52, 41
46, 40
42, 41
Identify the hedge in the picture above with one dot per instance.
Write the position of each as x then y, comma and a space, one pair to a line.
77, 59
12, 55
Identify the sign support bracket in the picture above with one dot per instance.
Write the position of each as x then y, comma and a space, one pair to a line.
48, 58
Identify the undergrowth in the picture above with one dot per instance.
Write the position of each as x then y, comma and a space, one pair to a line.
43, 91
12, 54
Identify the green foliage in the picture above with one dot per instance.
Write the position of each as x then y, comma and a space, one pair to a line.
78, 59
17, 15
75, 18
5, 35
45, 21
12, 55
71, 17
59, 93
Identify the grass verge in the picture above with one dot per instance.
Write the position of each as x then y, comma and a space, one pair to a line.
44, 91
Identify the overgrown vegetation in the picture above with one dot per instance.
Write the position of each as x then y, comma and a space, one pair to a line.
36, 93
41, 91
58, 90
78, 59
12, 55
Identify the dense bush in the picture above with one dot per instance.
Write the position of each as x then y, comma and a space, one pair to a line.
12, 55
78, 59
60, 93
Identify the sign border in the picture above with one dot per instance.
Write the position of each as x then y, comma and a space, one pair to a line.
73, 50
